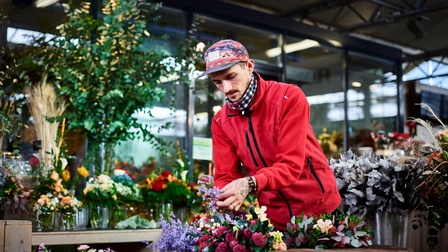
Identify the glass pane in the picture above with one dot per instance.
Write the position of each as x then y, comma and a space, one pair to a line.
372, 102
318, 71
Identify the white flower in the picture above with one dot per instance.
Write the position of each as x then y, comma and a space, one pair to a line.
119, 172
64, 163
324, 226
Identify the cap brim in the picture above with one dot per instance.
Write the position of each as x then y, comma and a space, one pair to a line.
219, 68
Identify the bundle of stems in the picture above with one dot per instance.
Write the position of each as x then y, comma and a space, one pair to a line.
45, 107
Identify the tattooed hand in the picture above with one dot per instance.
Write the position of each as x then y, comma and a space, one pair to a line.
233, 195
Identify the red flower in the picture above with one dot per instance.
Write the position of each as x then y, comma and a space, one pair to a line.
165, 173
159, 185
239, 248
222, 247
220, 230
230, 237
247, 234
259, 239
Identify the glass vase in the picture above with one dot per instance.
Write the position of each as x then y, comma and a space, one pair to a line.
46, 221
163, 210
68, 220
99, 217
118, 214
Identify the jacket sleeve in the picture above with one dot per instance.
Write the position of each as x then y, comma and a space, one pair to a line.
291, 147
226, 162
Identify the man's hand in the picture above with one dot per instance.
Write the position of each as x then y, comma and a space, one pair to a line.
233, 195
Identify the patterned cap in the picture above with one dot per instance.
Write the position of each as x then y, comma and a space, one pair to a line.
224, 54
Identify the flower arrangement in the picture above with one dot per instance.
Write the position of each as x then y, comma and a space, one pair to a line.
45, 204
328, 231
434, 185
331, 143
100, 191
167, 187
371, 183
215, 231
128, 191
13, 195
68, 204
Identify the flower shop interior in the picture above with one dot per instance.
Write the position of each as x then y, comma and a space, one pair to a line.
100, 155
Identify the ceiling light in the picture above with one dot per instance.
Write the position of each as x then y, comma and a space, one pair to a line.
44, 3
356, 84
294, 47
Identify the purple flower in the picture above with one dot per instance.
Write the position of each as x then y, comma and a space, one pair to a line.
176, 236
258, 239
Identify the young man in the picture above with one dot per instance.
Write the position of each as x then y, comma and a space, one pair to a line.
263, 142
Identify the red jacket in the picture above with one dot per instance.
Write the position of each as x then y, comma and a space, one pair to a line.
273, 141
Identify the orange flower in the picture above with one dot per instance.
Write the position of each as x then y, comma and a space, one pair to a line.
54, 176
66, 200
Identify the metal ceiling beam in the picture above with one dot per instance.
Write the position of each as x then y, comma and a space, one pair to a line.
305, 11
426, 56
388, 5
395, 16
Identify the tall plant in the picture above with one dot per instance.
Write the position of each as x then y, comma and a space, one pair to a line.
108, 75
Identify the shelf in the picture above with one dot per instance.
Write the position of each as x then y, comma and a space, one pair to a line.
95, 236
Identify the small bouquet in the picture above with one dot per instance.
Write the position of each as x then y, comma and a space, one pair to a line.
328, 231
45, 204
101, 191
13, 195
68, 204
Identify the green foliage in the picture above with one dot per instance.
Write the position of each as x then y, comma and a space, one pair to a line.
105, 73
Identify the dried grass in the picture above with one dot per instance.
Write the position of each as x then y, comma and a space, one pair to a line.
45, 104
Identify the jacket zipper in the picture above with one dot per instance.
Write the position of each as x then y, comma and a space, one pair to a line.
251, 130
250, 148
310, 164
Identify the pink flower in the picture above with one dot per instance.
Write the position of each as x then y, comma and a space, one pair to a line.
230, 237
222, 247
247, 234
233, 243
258, 239
239, 248
83, 247
220, 230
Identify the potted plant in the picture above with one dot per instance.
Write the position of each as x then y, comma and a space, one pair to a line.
434, 186
107, 74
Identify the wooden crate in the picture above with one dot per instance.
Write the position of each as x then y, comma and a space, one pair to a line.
15, 236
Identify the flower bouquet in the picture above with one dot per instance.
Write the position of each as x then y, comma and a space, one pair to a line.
328, 231
128, 196
45, 208
13, 195
373, 183
68, 206
434, 185
100, 194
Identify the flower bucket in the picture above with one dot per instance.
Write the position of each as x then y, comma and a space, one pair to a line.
83, 218
391, 229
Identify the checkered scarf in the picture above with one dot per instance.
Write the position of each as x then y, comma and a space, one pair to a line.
243, 103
